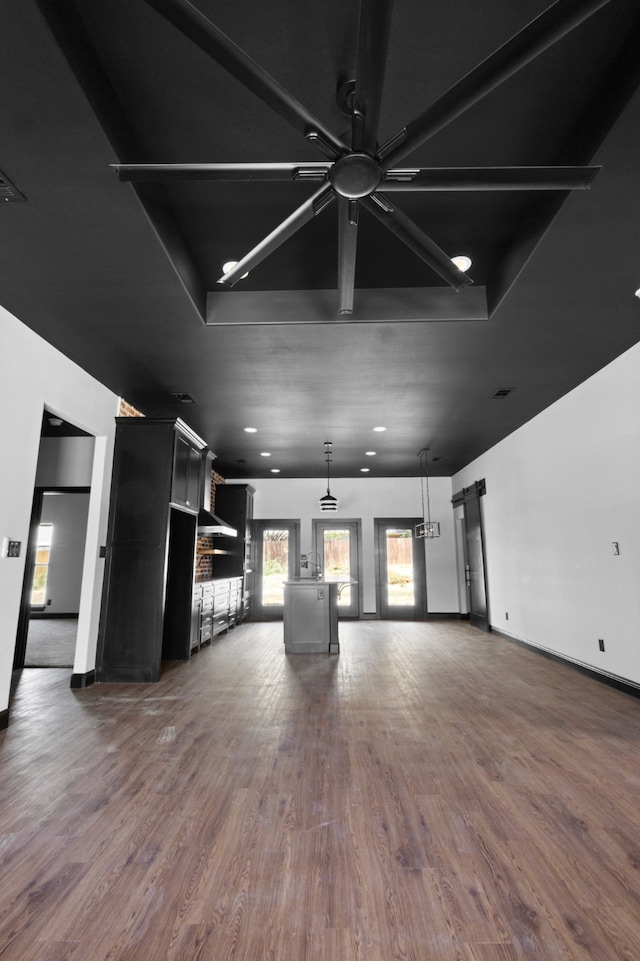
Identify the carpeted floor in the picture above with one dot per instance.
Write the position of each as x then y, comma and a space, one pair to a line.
51, 642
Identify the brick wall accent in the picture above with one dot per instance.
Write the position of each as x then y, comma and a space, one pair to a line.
216, 479
128, 410
204, 562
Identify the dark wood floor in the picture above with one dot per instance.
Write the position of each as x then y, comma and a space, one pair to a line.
431, 794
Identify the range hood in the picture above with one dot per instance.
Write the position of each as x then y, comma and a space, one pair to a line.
209, 523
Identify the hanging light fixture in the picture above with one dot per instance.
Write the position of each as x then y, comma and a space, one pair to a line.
328, 502
428, 528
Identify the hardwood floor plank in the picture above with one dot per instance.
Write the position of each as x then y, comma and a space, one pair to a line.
433, 792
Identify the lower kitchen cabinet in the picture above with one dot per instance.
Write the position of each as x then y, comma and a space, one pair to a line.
221, 607
196, 615
215, 608
206, 614
235, 601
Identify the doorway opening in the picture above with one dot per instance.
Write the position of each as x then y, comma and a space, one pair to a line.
400, 569
339, 546
277, 551
54, 557
475, 587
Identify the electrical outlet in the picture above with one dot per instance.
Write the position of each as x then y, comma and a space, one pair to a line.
616, 547
601, 643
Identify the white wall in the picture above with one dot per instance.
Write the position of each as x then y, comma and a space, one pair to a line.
68, 513
33, 374
364, 499
65, 462
560, 490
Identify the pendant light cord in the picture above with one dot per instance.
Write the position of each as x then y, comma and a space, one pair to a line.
327, 448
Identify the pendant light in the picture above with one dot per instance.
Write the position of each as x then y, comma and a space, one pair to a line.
328, 502
428, 528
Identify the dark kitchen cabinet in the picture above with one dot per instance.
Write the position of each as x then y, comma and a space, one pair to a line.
196, 616
234, 502
187, 474
147, 604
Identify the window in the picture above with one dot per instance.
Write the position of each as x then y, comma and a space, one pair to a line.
41, 569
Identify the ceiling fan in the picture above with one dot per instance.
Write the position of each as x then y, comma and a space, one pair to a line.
364, 172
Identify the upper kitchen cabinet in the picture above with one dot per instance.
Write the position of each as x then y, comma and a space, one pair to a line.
150, 557
186, 487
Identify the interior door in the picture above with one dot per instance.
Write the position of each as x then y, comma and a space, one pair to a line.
338, 544
277, 552
400, 569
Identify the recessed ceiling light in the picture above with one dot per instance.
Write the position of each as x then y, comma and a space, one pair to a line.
370, 453
462, 262
379, 428
265, 453
364, 470
230, 264
275, 470
250, 430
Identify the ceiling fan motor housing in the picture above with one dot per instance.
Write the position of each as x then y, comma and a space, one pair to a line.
355, 175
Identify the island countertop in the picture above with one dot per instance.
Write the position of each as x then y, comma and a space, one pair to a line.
298, 579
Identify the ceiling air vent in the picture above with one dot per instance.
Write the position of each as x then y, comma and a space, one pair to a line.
182, 397
503, 392
9, 193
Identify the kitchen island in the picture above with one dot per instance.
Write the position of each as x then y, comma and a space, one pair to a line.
311, 615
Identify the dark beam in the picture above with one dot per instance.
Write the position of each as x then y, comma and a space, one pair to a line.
371, 306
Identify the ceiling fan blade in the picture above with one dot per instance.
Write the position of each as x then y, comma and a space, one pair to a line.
405, 229
521, 49
490, 178
373, 42
167, 173
347, 248
304, 213
199, 29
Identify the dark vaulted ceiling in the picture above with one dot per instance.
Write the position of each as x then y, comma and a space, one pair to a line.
122, 273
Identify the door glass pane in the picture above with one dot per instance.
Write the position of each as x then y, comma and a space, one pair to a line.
275, 566
337, 560
41, 570
400, 587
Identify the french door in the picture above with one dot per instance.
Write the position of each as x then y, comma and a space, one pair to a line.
338, 544
277, 550
400, 568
